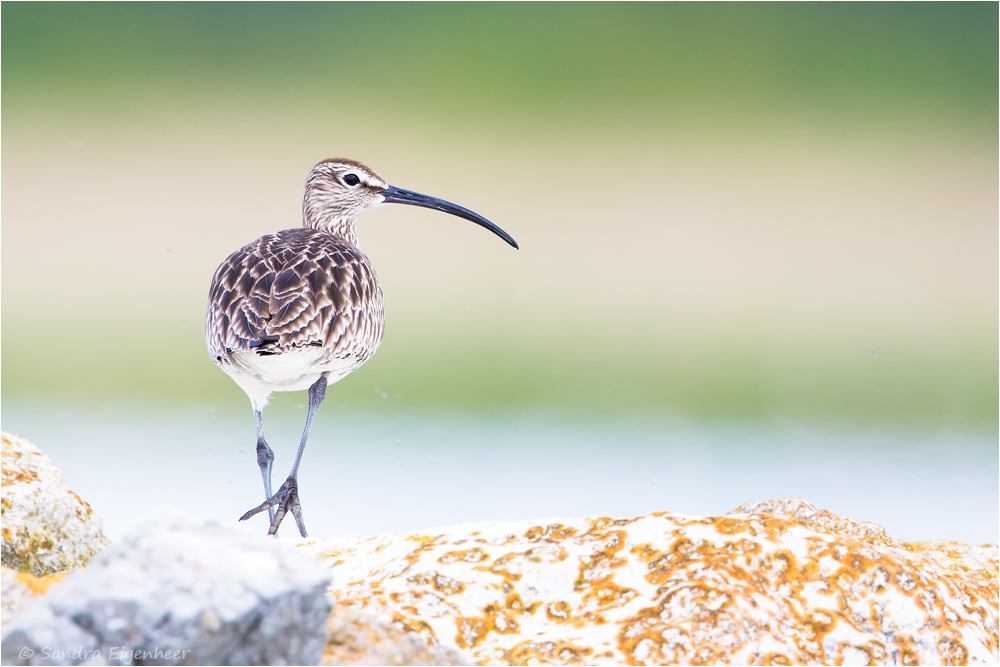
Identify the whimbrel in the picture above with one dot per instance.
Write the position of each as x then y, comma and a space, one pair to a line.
302, 308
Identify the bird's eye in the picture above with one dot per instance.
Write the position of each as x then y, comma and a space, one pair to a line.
351, 179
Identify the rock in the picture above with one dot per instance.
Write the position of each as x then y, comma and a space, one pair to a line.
780, 582
17, 589
358, 638
180, 591
46, 527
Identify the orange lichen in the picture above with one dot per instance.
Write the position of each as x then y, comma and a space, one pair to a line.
762, 587
474, 555
535, 652
40, 584
440, 582
555, 532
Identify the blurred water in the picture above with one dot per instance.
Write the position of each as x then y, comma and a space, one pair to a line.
373, 473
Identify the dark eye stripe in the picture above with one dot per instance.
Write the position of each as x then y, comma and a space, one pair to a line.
351, 179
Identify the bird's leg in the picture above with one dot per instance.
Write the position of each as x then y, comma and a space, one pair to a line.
264, 459
287, 497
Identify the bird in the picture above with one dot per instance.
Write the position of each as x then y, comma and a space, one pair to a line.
302, 308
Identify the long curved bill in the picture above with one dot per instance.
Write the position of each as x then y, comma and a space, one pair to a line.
394, 195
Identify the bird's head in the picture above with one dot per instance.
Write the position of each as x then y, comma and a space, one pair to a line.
338, 190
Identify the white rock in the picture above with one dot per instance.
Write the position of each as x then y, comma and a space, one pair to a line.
17, 589
780, 582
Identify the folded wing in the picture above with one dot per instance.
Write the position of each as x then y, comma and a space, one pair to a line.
299, 287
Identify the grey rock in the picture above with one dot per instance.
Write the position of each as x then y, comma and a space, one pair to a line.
181, 591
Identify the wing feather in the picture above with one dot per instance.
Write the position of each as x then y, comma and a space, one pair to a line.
294, 288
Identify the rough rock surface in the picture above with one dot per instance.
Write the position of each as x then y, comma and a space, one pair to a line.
46, 527
358, 638
779, 582
184, 591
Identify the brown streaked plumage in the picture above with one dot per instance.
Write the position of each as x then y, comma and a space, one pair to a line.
302, 308
298, 288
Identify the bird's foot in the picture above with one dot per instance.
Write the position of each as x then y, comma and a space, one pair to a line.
285, 500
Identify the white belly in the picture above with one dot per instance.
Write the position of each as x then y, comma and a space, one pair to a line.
293, 370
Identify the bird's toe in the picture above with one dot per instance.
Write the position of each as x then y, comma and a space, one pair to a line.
285, 500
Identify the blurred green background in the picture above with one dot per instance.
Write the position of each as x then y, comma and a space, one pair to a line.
751, 211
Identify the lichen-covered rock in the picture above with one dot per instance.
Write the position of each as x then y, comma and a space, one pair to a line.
17, 589
180, 591
358, 638
46, 527
775, 583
